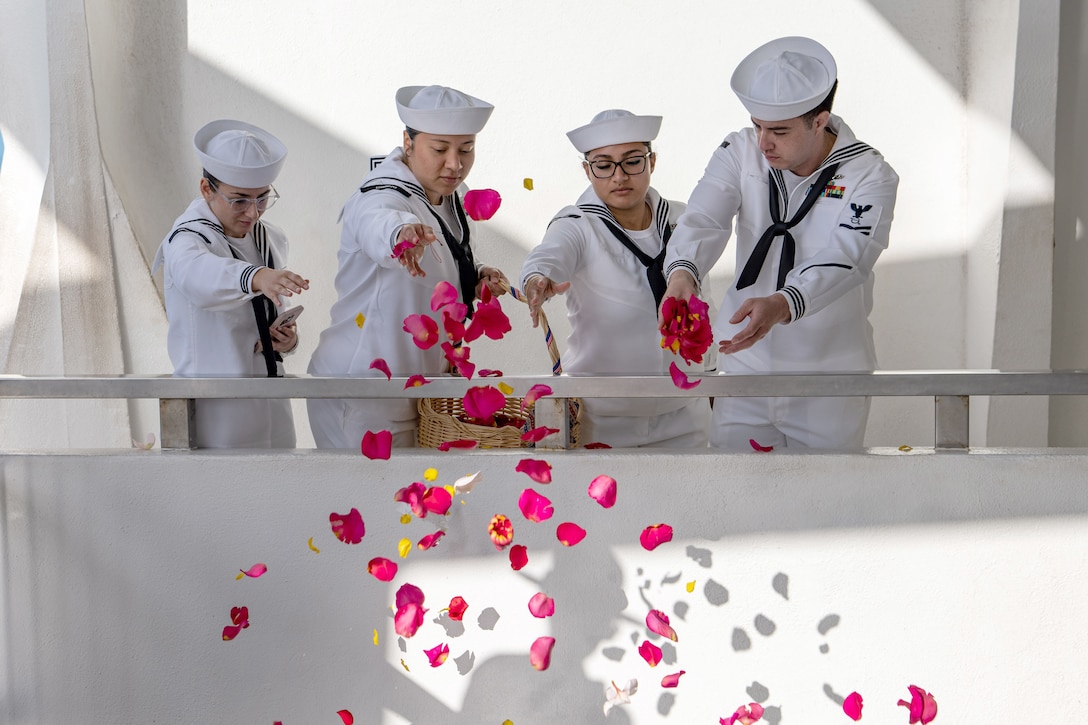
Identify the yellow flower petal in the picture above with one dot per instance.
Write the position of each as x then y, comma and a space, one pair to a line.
450, 489
360, 319
506, 389
905, 448
528, 183
406, 518
690, 586
404, 665
404, 547
375, 637
430, 474
313, 548
240, 575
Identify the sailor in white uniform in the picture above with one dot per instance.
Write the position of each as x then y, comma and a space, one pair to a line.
224, 280
605, 254
414, 195
813, 209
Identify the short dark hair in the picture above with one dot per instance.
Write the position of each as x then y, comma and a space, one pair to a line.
211, 179
649, 149
825, 105
412, 133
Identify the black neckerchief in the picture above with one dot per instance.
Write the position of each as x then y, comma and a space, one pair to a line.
263, 311
461, 250
655, 274
778, 199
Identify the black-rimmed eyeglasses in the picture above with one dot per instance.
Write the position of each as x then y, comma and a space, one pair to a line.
632, 166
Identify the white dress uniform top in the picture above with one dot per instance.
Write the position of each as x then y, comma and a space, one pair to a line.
206, 281
828, 282
612, 310
371, 283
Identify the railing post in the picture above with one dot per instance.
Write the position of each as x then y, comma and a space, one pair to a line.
952, 418
552, 412
177, 424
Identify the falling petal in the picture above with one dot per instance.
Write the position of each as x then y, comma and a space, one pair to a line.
922, 705
681, 380
408, 619
456, 310
413, 495
534, 506
527, 183
462, 443
437, 500
415, 381
408, 594
690, 586
402, 247
506, 389
595, 446
467, 483
431, 474
241, 575
423, 329
230, 632
482, 402
658, 623
430, 540
745, 715
458, 358
481, 204
438, 655
455, 331
444, 293
541, 605
486, 373
762, 449
539, 471
650, 652
852, 706
489, 320
348, 527
654, 536
375, 638
147, 444
671, 680
538, 434
535, 393
686, 328
254, 571
382, 569
602, 489
540, 653
615, 695
403, 547
404, 665
310, 543
382, 366
377, 446
406, 518
519, 557
360, 319
569, 534
346, 716
457, 609
501, 531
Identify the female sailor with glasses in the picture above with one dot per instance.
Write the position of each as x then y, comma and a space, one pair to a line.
224, 283
605, 254
404, 231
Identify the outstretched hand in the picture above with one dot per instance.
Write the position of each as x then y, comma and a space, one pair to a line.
421, 235
763, 313
276, 283
540, 289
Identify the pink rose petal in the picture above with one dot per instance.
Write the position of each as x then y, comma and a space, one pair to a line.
444, 293
415, 381
595, 445
745, 715
377, 446
481, 204
423, 329
658, 623
458, 358
437, 655
255, 571
852, 706
519, 557
671, 680
922, 705
538, 470
413, 496
602, 489
482, 402
488, 320
680, 379
346, 716
535, 393
540, 653
538, 434
437, 500
348, 527
403, 247
408, 619
570, 534
650, 652
534, 506
382, 569
541, 605
654, 536
486, 373
430, 540
382, 366
409, 594
462, 443
761, 449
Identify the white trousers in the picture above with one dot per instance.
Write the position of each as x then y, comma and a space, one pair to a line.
339, 423
831, 423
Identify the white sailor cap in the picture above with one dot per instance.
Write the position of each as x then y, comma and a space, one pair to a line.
438, 109
239, 154
614, 126
784, 78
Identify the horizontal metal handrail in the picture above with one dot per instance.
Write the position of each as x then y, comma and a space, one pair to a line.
794, 384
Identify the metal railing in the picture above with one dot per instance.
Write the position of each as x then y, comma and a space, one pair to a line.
950, 389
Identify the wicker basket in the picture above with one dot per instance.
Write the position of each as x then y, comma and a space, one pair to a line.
441, 419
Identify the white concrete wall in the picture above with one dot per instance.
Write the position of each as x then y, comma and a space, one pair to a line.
957, 95
961, 573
